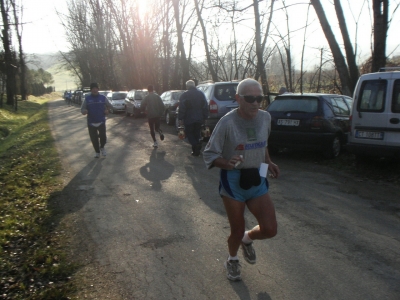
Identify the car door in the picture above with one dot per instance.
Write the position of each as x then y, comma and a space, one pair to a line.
342, 113
167, 100
393, 120
369, 117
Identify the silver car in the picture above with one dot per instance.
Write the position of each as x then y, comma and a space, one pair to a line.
221, 99
133, 101
117, 100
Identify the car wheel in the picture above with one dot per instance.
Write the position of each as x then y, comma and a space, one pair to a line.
334, 148
169, 119
126, 112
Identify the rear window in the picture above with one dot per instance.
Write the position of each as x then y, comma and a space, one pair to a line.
339, 106
396, 97
139, 95
225, 92
118, 96
292, 104
176, 95
372, 96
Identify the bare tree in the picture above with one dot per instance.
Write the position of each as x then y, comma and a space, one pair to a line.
381, 12
10, 66
21, 63
334, 46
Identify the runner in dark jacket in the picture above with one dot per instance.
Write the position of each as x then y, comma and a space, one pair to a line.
193, 110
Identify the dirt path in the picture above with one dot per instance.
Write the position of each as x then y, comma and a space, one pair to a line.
149, 224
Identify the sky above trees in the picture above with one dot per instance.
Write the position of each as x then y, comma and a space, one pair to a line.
43, 32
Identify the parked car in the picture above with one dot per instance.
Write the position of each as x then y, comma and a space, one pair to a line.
309, 122
117, 100
84, 96
105, 93
221, 99
171, 102
375, 122
133, 101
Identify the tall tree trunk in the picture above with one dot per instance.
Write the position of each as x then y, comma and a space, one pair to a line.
338, 57
22, 65
302, 51
208, 55
380, 8
350, 55
181, 46
10, 69
259, 48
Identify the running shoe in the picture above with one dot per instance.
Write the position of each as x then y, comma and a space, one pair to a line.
249, 253
233, 270
161, 135
155, 145
97, 155
103, 151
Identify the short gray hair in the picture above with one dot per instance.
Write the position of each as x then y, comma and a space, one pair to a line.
190, 83
245, 84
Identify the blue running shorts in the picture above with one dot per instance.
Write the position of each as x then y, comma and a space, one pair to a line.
229, 186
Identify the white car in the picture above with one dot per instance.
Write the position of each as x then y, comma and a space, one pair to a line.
375, 120
117, 100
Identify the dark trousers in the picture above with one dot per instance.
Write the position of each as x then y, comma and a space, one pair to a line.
97, 133
193, 134
69, 100
154, 124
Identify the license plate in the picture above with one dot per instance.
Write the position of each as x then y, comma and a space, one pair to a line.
287, 122
369, 135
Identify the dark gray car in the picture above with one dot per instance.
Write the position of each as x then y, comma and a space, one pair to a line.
171, 102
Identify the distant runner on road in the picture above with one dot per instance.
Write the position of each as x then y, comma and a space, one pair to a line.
155, 108
238, 146
96, 106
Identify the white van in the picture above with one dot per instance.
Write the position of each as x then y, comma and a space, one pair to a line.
375, 120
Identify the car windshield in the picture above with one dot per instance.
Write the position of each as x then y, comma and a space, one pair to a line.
139, 95
289, 104
118, 96
225, 92
176, 95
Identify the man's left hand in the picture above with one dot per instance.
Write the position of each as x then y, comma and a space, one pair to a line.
274, 170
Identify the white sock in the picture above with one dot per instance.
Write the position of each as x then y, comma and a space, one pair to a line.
233, 257
246, 239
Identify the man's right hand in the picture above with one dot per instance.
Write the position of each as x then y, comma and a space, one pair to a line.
84, 112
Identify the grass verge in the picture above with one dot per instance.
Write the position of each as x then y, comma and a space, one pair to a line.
32, 262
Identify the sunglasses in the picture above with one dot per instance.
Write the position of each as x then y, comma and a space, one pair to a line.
251, 99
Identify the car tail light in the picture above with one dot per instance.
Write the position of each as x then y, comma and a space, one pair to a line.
213, 107
317, 122
176, 104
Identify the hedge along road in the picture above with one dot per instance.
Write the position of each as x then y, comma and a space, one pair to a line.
149, 223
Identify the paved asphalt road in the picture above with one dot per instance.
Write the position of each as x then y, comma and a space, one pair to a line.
152, 226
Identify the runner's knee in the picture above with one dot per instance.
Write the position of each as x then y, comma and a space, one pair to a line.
269, 231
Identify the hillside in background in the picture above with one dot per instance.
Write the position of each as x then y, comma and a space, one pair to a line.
63, 79
51, 62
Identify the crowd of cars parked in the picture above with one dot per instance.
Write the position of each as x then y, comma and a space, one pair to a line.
367, 126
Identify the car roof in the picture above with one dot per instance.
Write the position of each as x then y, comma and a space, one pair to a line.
218, 83
309, 95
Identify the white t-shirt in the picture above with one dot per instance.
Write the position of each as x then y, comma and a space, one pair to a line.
234, 135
